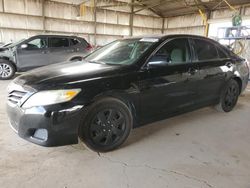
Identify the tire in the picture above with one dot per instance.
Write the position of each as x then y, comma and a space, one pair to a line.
229, 97
7, 70
106, 125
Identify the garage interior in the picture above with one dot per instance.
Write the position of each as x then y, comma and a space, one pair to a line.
203, 148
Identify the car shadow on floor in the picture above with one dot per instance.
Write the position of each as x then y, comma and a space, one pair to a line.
16, 75
169, 124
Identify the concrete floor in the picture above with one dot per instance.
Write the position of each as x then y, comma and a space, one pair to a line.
204, 149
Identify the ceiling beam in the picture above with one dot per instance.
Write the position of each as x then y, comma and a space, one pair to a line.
144, 5
150, 6
151, 9
85, 1
114, 3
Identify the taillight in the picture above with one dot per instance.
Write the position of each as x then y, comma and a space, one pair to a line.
89, 47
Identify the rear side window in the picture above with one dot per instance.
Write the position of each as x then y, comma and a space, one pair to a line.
205, 50
74, 42
85, 43
57, 42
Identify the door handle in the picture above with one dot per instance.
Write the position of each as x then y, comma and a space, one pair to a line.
192, 71
229, 64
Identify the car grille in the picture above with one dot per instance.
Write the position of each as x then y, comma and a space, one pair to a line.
16, 97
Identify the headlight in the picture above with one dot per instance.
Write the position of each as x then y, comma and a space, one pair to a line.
49, 97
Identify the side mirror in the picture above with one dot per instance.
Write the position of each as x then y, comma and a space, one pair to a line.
159, 61
24, 46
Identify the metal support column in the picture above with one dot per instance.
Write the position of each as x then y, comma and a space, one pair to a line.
163, 26
207, 24
3, 5
131, 19
43, 15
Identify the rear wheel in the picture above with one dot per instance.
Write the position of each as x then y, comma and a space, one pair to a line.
229, 97
107, 125
7, 70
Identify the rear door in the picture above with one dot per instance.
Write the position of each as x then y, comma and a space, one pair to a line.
214, 65
59, 49
34, 55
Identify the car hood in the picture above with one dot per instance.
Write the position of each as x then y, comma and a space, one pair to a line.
65, 73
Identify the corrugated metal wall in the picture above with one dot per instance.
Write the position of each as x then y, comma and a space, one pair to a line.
189, 24
23, 18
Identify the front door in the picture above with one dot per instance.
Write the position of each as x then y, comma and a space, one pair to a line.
32, 53
168, 83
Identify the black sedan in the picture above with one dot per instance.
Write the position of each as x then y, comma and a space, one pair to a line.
123, 85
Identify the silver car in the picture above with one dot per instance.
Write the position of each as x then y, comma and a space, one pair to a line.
40, 50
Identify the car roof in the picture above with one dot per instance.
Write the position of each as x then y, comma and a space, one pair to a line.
48, 35
165, 37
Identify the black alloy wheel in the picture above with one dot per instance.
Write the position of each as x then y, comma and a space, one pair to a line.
229, 97
106, 125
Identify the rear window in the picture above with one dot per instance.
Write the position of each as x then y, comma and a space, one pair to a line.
85, 43
57, 42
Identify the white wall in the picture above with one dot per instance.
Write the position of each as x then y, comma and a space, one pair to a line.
24, 18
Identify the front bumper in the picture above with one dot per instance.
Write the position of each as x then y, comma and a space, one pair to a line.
53, 125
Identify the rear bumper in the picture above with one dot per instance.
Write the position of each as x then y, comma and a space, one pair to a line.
55, 125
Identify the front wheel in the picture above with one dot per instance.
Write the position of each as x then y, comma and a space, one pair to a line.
106, 125
7, 70
229, 97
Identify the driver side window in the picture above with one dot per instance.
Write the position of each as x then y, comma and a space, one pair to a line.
37, 43
174, 52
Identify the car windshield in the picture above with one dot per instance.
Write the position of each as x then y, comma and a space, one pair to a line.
16, 43
121, 52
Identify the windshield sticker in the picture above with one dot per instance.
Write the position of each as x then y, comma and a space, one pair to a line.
149, 40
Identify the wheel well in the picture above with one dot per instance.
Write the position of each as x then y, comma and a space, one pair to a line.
239, 81
7, 59
103, 96
120, 97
